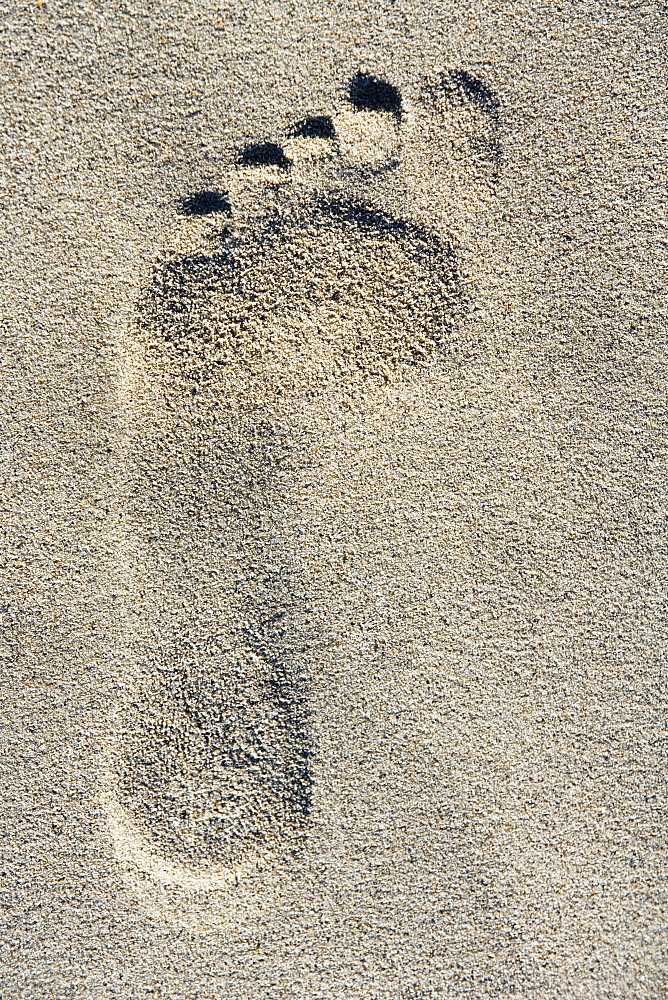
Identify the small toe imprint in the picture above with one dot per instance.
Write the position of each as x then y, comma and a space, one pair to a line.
264, 154
368, 93
470, 116
316, 127
205, 203
460, 85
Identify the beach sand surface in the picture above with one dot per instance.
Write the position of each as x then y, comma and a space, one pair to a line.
461, 783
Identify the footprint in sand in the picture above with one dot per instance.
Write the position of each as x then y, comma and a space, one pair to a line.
271, 376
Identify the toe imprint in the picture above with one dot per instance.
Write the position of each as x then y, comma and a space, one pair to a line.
316, 127
205, 203
371, 94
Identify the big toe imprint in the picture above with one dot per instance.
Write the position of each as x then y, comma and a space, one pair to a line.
309, 288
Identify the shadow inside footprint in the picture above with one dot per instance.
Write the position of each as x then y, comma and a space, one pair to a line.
316, 127
368, 93
264, 154
205, 203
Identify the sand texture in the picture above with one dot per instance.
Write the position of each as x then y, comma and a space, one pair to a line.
333, 469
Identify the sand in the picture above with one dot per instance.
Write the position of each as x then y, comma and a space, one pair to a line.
334, 424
